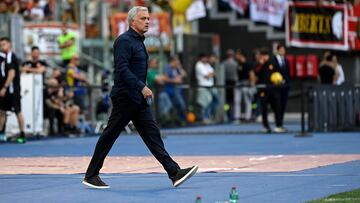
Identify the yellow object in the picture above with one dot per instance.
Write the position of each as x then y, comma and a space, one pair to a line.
180, 6
276, 78
180, 24
70, 77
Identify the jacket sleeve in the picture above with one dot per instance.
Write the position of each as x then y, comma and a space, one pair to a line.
122, 57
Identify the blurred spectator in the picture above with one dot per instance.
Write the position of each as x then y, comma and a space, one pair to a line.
24, 9
11, 6
92, 11
49, 10
59, 76
231, 77
57, 106
68, 11
103, 104
213, 60
153, 79
206, 97
3, 7
327, 74
67, 45
37, 11
53, 106
255, 64
76, 80
153, 76
92, 14
339, 72
244, 93
174, 75
34, 65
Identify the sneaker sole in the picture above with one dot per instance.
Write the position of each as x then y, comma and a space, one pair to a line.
94, 186
187, 176
280, 131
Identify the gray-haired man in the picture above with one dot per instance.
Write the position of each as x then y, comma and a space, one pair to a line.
130, 98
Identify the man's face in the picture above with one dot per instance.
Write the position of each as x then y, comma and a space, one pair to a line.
153, 63
75, 60
282, 51
35, 54
141, 22
5, 46
174, 63
204, 59
56, 73
265, 57
64, 30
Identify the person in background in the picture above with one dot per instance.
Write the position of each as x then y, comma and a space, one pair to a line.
339, 72
174, 76
327, 74
67, 45
56, 106
36, 11
2, 81
281, 64
34, 65
154, 78
59, 75
3, 8
77, 80
269, 93
244, 93
10, 98
68, 13
231, 77
49, 10
206, 96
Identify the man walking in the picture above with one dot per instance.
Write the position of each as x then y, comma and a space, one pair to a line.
131, 97
269, 93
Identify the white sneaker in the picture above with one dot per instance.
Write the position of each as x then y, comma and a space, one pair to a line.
280, 130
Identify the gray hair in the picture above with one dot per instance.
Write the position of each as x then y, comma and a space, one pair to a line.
133, 11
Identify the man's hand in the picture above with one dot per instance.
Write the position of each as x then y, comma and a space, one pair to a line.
147, 92
2, 92
178, 79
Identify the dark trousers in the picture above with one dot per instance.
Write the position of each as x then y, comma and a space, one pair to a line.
270, 96
123, 111
284, 93
52, 114
230, 98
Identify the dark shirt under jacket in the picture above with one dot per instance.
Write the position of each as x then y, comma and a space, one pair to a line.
130, 66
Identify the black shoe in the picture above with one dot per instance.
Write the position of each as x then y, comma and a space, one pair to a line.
95, 182
184, 174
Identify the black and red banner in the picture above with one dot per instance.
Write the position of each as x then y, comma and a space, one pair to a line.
312, 26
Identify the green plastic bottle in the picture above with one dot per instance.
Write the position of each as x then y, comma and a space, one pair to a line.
198, 199
234, 196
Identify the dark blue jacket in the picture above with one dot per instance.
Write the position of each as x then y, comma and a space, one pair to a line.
130, 65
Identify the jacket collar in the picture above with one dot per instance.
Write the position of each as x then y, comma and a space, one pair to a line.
135, 34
